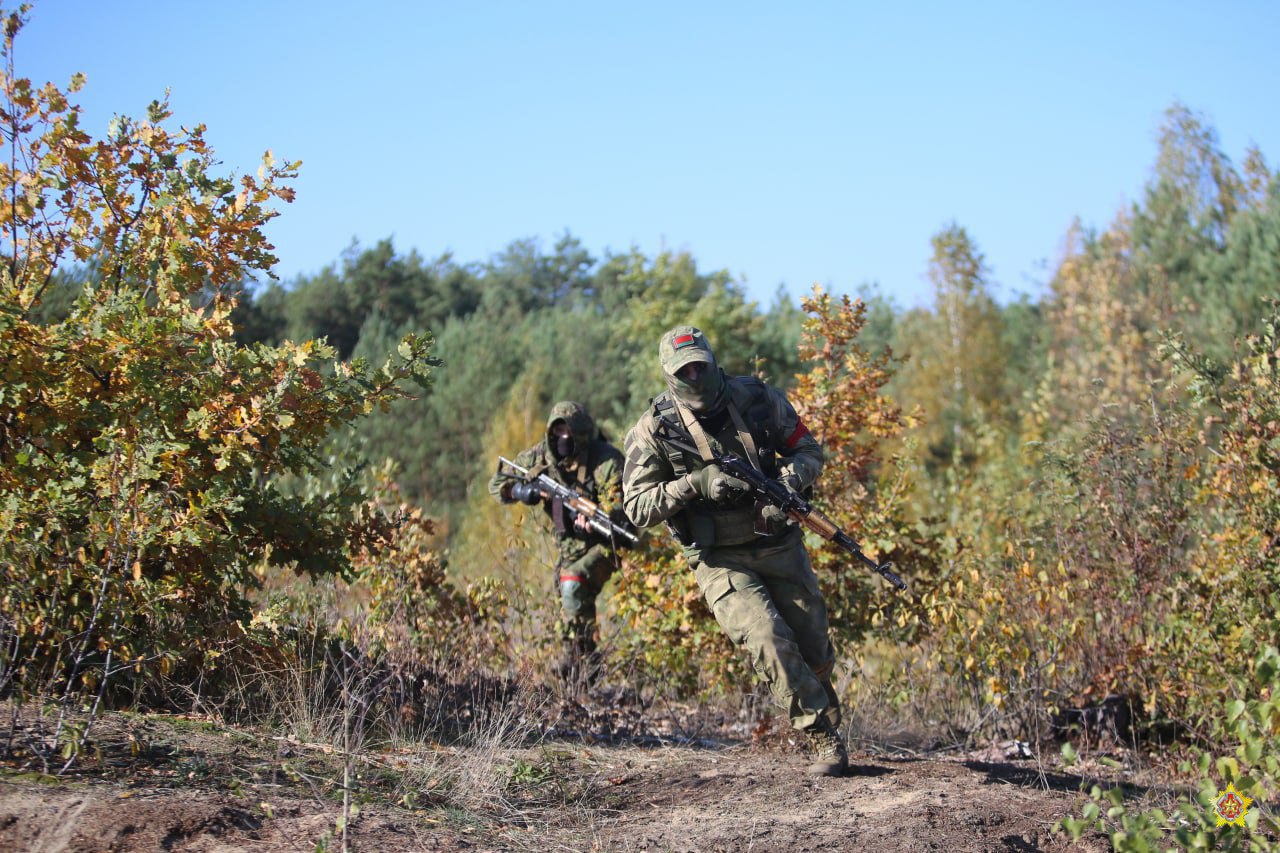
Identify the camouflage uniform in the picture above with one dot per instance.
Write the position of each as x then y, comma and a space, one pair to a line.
751, 567
587, 559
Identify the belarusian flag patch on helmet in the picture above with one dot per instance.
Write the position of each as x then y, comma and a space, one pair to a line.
682, 341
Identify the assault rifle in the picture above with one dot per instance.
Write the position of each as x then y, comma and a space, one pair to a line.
771, 491
529, 489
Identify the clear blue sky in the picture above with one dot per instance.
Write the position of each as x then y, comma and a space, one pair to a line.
787, 143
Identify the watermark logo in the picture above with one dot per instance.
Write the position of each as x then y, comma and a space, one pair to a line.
1231, 806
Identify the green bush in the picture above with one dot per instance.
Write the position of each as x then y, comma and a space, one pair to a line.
141, 448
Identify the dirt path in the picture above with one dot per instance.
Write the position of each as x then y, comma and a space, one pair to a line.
642, 799
752, 801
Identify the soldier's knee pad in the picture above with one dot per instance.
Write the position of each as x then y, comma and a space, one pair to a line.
575, 598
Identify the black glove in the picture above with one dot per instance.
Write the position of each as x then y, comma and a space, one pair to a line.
714, 485
526, 493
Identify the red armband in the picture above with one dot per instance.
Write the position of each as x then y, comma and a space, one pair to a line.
801, 432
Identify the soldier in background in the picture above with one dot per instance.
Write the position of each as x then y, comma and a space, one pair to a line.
574, 453
749, 562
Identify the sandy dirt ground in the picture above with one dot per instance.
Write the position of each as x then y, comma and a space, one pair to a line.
732, 798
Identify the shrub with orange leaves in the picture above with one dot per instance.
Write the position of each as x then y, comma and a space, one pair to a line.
861, 489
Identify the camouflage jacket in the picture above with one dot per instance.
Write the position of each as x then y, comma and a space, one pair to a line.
656, 485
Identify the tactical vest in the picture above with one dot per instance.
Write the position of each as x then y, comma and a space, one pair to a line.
702, 524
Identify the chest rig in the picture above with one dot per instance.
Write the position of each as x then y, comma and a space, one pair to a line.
745, 427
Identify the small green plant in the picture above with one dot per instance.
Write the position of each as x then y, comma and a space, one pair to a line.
529, 773
1195, 821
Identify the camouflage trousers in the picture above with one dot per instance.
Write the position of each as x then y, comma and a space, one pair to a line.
766, 598
580, 576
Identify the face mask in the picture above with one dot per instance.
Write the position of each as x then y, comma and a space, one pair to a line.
704, 395
564, 446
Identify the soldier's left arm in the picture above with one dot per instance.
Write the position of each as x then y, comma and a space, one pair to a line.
800, 455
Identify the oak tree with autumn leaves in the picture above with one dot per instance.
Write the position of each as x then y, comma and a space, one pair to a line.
143, 452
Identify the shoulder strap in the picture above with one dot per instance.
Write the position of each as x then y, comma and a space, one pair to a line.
744, 435
539, 465
699, 435
664, 406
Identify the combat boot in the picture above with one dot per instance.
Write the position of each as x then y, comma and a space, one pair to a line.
827, 749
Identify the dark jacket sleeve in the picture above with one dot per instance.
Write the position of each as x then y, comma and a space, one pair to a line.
799, 454
525, 459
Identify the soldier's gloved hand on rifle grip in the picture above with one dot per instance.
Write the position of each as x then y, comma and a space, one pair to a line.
714, 485
526, 493
775, 520
774, 517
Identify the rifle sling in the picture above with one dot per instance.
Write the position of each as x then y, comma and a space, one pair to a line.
699, 436
744, 435
695, 431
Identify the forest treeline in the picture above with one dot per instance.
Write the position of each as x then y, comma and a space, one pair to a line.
1082, 486
547, 325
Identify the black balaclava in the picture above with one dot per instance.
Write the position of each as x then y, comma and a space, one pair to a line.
582, 429
564, 445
